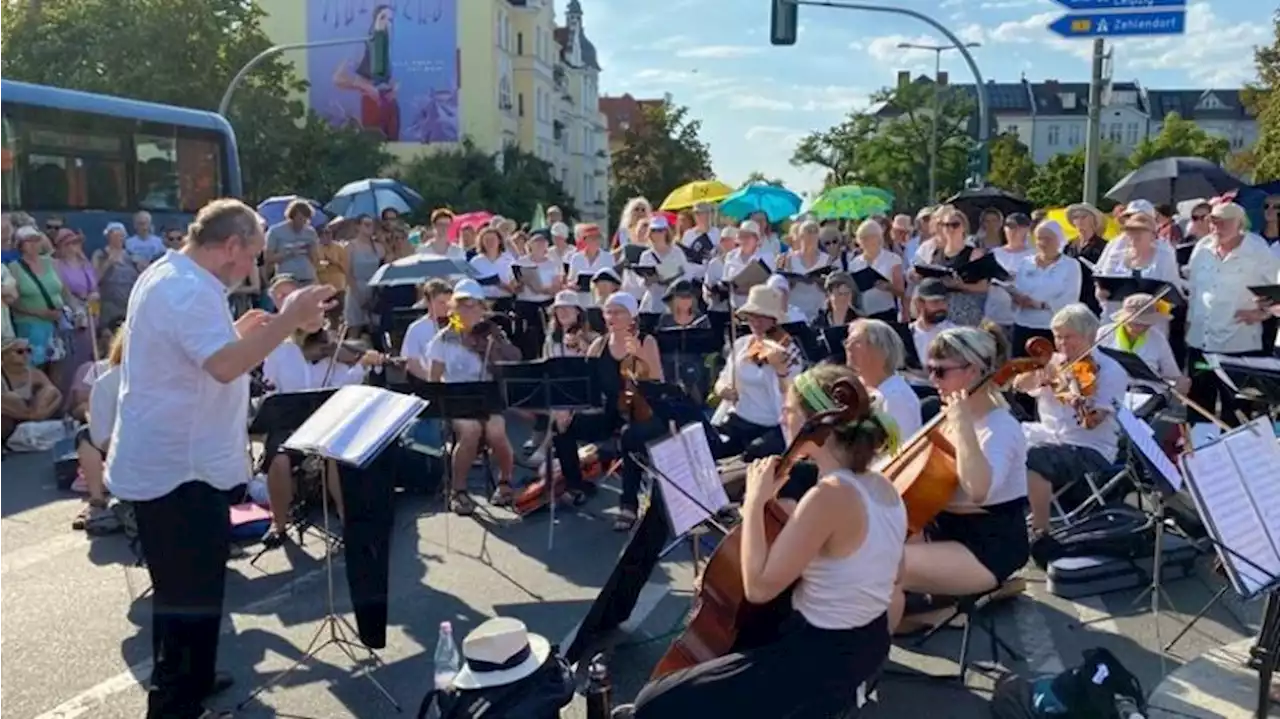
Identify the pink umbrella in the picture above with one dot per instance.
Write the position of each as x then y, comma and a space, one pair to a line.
474, 219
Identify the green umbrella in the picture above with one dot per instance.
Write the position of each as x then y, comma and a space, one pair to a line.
851, 202
539, 218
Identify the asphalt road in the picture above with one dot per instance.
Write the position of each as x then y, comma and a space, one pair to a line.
76, 642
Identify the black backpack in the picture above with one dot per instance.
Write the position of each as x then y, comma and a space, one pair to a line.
540, 695
1089, 690
1115, 532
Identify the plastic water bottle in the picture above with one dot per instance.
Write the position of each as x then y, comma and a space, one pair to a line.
447, 661
599, 689
1127, 708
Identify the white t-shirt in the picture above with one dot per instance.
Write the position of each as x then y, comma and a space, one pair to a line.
176, 422
580, 264
416, 338
999, 307
1058, 423
759, 396
902, 403
875, 301
1057, 285
1005, 447
547, 270
288, 370
147, 248
460, 363
923, 337
104, 400
501, 267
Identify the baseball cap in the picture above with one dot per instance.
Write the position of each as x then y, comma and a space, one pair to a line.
1136, 207
606, 274
659, 222
1228, 211
681, 288
1017, 219
749, 227
284, 278
931, 288
559, 229
468, 289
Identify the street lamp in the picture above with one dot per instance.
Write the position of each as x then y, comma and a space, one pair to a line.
225, 104
937, 51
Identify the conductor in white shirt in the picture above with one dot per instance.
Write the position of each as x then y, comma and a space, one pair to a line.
181, 437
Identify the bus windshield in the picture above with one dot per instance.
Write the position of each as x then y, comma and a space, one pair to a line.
92, 159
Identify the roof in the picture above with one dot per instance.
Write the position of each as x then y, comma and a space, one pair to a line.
623, 111
589, 57
1198, 104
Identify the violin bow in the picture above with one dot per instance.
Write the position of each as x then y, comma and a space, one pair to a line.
333, 358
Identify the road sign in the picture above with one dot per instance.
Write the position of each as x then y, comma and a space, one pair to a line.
1114, 24
1079, 5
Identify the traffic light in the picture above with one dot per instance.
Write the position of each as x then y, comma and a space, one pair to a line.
783, 25
979, 161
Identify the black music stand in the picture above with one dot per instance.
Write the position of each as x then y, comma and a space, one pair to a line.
1255, 384
806, 339
681, 342
554, 383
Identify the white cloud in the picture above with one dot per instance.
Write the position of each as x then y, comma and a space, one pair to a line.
773, 133
1222, 57
759, 102
719, 51
973, 32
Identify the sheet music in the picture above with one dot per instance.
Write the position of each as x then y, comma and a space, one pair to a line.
706, 471
1143, 437
1223, 500
675, 465
1133, 401
1257, 457
355, 424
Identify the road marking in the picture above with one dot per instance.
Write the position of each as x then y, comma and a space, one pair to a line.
20, 559
96, 695
1094, 615
1038, 647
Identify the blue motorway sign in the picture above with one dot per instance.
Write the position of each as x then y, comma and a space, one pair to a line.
1114, 24
1079, 5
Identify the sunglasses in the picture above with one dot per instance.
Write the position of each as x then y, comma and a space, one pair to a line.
1270, 206
21, 351
952, 224
938, 371
1203, 217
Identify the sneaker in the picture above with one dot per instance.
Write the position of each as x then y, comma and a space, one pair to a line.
99, 520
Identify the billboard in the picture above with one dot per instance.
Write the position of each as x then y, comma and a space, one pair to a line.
403, 82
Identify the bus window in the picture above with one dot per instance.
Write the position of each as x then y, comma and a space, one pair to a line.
157, 178
200, 169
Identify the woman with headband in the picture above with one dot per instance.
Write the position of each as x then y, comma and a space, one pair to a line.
841, 548
980, 539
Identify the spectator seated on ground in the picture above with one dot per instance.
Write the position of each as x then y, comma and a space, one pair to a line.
29, 396
91, 443
88, 373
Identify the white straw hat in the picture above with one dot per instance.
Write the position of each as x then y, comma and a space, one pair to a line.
764, 301
499, 652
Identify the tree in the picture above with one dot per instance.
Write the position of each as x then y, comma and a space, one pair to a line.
1011, 165
658, 154
1179, 138
885, 148
757, 176
1060, 181
109, 46
466, 179
1264, 103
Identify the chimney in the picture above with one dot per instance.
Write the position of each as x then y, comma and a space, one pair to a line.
904, 78
1051, 84
942, 78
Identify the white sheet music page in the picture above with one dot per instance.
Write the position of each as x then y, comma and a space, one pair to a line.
1143, 437
1257, 455
355, 424
1222, 499
706, 471
672, 464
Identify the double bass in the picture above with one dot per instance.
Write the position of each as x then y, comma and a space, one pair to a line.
721, 613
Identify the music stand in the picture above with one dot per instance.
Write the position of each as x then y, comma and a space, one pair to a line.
806, 339
1256, 380
681, 342
554, 383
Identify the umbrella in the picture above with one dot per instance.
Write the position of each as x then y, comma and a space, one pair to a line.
1059, 215
777, 203
539, 218
973, 202
468, 219
416, 269
1173, 179
695, 192
272, 210
371, 197
851, 202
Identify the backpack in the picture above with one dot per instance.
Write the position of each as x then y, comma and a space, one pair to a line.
1115, 532
1089, 691
540, 695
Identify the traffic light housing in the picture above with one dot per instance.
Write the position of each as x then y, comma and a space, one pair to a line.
783, 25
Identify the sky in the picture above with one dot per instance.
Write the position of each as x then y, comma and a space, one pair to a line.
757, 101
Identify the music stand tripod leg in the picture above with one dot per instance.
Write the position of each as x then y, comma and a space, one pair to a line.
1222, 591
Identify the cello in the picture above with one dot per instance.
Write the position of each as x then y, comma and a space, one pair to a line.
721, 612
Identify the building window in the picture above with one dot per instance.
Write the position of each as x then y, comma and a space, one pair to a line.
520, 104
519, 43
1131, 133
1054, 136
1115, 132
1073, 135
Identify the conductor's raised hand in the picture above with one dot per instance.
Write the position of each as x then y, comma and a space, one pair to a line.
251, 321
307, 306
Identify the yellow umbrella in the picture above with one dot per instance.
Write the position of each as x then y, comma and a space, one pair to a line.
1060, 214
700, 191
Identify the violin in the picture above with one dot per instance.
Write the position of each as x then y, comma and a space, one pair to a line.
721, 613
759, 349
631, 402
1073, 384
488, 339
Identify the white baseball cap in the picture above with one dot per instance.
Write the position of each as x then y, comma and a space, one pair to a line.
625, 300
468, 289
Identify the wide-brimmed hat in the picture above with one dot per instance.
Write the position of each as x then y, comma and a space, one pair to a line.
1139, 309
567, 298
1139, 207
1228, 211
680, 288
499, 652
1140, 221
764, 301
1099, 219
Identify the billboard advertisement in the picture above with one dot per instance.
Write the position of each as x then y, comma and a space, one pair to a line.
403, 82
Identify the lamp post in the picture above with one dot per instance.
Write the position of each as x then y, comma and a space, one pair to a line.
276, 50
937, 51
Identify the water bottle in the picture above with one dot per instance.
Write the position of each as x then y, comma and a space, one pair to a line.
599, 689
1044, 700
447, 660
1127, 708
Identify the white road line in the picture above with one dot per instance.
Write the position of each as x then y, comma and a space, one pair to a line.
94, 696
1038, 647
1094, 615
20, 559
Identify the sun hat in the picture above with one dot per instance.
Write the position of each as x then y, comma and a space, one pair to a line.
903, 222
559, 229
283, 278
764, 301
113, 226
499, 652
749, 227
626, 301
1140, 221
468, 289
1138, 207
606, 274
66, 234
1138, 308
681, 288
1228, 211
566, 298
1099, 219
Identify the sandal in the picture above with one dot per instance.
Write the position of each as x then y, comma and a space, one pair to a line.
461, 503
273, 539
625, 521
502, 496
91, 513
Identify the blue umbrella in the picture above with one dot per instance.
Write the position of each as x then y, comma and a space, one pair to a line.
371, 197
272, 210
777, 203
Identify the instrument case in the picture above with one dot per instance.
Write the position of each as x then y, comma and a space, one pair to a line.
1075, 577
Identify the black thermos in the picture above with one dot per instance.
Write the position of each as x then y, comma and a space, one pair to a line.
599, 701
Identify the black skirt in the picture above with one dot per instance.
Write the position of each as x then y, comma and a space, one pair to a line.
997, 539
809, 673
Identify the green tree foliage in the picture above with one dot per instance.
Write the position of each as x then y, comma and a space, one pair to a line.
1262, 100
889, 149
1179, 138
757, 176
1060, 181
661, 152
185, 52
1011, 165
465, 179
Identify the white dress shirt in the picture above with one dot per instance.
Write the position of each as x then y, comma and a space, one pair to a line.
501, 267
1058, 423
289, 371
1219, 287
1057, 285
580, 264
1111, 261
902, 403
177, 423
759, 394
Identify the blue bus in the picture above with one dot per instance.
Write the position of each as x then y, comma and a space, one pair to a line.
92, 159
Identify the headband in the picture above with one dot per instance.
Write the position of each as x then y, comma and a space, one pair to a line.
819, 401
813, 395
